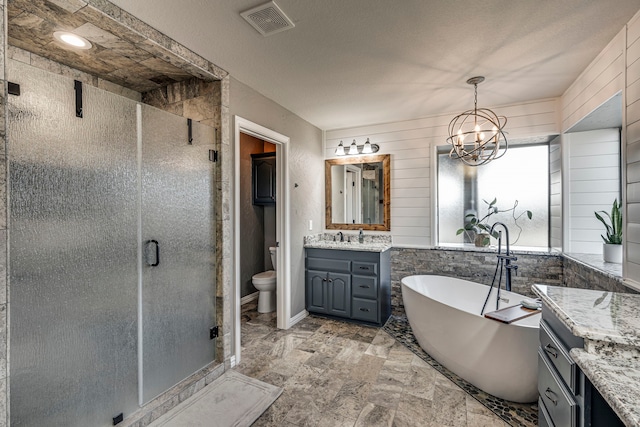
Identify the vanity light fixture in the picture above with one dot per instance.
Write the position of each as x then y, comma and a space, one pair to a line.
483, 130
355, 149
72, 40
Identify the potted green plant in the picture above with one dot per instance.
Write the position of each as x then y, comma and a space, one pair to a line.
612, 247
481, 228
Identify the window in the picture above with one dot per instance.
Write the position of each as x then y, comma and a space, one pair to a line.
521, 175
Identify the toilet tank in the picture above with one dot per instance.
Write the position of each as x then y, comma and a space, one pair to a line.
272, 251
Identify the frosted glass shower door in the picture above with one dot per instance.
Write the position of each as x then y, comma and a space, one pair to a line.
73, 253
178, 230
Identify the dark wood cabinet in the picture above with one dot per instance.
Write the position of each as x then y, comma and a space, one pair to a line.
263, 178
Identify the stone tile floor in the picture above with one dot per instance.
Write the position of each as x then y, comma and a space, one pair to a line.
338, 374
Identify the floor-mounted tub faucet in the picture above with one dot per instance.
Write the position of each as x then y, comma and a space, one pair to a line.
507, 257
504, 261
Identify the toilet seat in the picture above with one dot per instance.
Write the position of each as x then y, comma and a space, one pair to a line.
264, 278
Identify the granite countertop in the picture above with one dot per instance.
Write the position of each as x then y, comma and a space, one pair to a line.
371, 243
595, 315
609, 322
617, 380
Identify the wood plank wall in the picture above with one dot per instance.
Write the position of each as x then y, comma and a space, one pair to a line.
631, 157
411, 144
593, 180
555, 193
600, 81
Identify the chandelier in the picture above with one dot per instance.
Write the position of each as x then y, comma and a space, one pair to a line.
476, 135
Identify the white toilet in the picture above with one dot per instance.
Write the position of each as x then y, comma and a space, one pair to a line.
265, 282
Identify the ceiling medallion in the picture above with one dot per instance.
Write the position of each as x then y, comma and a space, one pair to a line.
476, 135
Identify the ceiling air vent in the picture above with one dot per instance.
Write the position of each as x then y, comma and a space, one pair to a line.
267, 19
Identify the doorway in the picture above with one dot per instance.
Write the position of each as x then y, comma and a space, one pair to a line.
283, 287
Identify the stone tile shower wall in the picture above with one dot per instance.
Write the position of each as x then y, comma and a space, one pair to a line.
475, 266
4, 366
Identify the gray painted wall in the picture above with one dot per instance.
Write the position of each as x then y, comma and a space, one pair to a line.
306, 168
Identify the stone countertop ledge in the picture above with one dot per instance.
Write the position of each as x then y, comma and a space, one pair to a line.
609, 322
617, 380
371, 243
595, 315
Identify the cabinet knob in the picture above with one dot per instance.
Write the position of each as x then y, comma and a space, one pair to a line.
330, 280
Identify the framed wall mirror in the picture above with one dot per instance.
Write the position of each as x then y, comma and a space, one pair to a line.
357, 193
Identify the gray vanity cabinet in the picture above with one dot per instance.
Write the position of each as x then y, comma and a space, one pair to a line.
353, 285
329, 293
567, 398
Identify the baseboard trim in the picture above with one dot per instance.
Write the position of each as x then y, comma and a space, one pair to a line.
249, 298
298, 317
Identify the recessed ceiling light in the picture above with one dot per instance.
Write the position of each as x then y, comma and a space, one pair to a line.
72, 40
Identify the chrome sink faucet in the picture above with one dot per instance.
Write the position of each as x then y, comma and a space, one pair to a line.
361, 236
341, 236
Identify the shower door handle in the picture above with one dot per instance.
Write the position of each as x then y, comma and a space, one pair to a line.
156, 262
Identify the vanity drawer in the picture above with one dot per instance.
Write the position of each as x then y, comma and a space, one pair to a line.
328, 264
544, 419
360, 267
365, 309
559, 403
364, 286
558, 356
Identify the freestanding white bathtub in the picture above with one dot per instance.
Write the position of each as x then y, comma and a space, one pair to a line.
498, 358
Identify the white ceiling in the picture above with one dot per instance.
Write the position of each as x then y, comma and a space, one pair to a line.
356, 62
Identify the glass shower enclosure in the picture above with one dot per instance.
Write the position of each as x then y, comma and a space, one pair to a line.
112, 251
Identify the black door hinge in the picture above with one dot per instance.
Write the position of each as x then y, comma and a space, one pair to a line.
213, 155
213, 332
13, 88
118, 419
77, 86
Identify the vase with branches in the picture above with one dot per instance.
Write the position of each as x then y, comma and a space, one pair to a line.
481, 228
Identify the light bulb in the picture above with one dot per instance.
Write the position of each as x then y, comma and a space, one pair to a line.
353, 148
72, 40
367, 148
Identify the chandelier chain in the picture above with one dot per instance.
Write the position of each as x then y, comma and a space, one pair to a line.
475, 97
